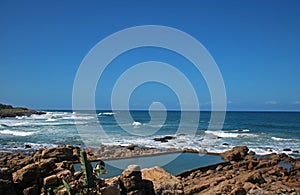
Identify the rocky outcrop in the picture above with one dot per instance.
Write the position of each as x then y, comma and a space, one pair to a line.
9, 111
242, 173
236, 154
245, 174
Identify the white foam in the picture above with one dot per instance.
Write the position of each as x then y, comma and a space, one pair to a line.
16, 133
241, 130
280, 139
51, 120
136, 124
106, 113
222, 134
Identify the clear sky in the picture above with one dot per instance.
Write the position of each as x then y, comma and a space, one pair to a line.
256, 45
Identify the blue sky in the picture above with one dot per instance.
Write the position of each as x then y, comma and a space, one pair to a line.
256, 45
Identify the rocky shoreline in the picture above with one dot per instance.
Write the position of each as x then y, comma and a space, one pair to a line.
51, 171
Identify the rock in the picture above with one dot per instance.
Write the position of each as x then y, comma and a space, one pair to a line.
131, 181
64, 174
238, 191
164, 139
27, 175
9, 111
112, 189
256, 178
6, 187
295, 151
27, 146
236, 154
50, 181
131, 147
190, 150
248, 186
31, 190
225, 144
60, 153
287, 149
163, 182
46, 166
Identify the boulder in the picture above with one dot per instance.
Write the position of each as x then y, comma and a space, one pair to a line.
235, 154
27, 175
131, 182
50, 181
163, 182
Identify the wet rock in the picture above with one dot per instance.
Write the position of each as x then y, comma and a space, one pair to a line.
190, 150
164, 139
287, 149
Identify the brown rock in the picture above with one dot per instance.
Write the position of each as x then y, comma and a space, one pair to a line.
112, 189
256, 178
50, 181
27, 175
163, 182
238, 191
131, 181
32, 190
237, 153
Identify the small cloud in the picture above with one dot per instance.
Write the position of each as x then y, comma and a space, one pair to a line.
272, 102
296, 102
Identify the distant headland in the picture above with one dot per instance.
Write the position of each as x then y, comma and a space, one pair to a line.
10, 111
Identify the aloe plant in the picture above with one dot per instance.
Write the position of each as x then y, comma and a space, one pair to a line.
67, 186
87, 169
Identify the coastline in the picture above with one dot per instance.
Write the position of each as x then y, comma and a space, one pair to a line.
241, 172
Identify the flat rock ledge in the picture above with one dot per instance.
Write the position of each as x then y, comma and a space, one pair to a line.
241, 173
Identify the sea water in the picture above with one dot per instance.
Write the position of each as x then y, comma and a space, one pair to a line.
262, 132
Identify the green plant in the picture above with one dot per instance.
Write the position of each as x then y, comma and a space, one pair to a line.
67, 186
100, 169
87, 169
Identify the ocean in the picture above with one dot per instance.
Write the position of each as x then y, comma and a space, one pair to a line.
262, 132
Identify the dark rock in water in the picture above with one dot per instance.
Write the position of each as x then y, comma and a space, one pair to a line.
295, 151
225, 144
240, 130
190, 150
164, 139
27, 146
287, 149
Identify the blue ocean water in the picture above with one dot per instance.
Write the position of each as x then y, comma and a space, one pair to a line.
262, 132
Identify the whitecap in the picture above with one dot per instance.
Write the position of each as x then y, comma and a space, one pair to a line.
222, 134
16, 133
280, 139
106, 113
136, 124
